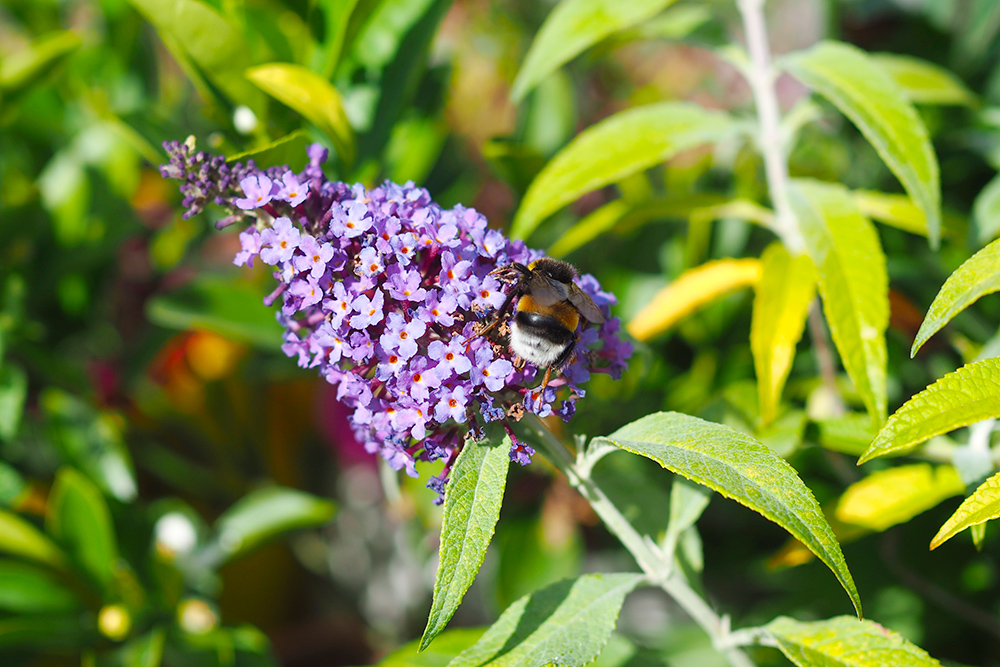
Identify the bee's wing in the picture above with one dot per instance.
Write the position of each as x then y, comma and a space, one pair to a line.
583, 303
547, 292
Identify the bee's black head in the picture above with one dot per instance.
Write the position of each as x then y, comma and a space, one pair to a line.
554, 269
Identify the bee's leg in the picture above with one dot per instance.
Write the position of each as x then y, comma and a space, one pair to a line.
496, 320
545, 381
519, 363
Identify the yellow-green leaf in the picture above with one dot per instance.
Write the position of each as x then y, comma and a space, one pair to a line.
312, 96
896, 495
692, 290
573, 26
982, 506
923, 82
966, 396
978, 276
786, 287
613, 149
861, 89
986, 211
20, 538
845, 641
742, 469
853, 281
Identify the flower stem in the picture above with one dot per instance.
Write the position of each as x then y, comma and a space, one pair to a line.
657, 567
761, 77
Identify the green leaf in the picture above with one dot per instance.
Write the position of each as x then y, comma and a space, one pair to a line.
261, 515
978, 276
856, 85
853, 281
472, 503
13, 391
312, 96
896, 495
740, 468
786, 288
20, 538
231, 308
567, 623
687, 502
613, 149
923, 82
49, 633
20, 69
78, 517
848, 434
12, 484
573, 26
213, 44
91, 441
986, 211
145, 651
289, 150
845, 641
960, 398
27, 589
982, 506
447, 645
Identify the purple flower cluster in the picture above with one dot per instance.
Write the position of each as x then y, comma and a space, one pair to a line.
383, 291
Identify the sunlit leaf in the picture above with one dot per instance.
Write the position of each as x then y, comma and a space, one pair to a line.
986, 211
923, 82
982, 506
738, 467
614, 148
966, 396
261, 515
853, 281
786, 288
288, 150
20, 538
856, 85
978, 276
896, 495
27, 589
589, 227
145, 651
231, 308
692, 290
78, 516
91, 441
565, 624
573, 26
13, 391
845, 641
849, 434
211, 42
312, 96
472, 503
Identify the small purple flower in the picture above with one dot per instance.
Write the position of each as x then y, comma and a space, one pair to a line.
350, 221
291, 190
451, 404
489, 371
401, 336
438, 308
368, 311
314, 256
405, 285
250, 242
369, 262
279, 241
450, 356
489, 295
257, 188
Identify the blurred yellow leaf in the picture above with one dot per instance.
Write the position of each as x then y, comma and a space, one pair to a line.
888, 497
976, 510
692, 290
786, 288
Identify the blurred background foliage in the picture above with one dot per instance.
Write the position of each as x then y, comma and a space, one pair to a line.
154, 442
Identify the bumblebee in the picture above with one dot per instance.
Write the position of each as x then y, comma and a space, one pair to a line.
547, 310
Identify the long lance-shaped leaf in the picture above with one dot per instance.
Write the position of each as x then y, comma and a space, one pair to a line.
573, 26
923, 82
982, 506
692, 290
853, 281
471, 508
978, 276
780, 308
312, 96
740, 468
614, 148
896, 495
565, 624
862, 90
845, 642
966, 396
78, 515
